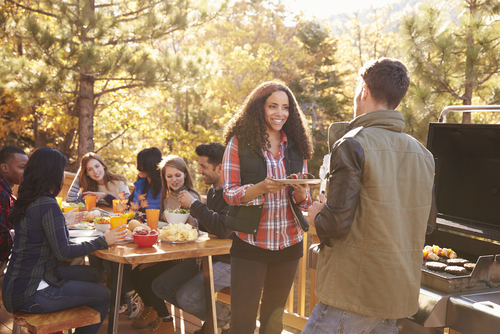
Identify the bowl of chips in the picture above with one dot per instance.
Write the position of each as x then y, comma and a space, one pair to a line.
178, 233
176, 216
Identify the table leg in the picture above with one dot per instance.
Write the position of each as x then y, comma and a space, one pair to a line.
116, 289
208, 275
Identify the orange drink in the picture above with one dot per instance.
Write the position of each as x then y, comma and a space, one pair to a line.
117, 221
152, 217
90, 202
59, 201
69, 208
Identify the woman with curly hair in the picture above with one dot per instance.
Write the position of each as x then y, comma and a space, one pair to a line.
267, 140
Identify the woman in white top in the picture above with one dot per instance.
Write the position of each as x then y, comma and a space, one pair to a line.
94, 177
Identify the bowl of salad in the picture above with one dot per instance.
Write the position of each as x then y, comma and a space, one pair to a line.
176, 216
102, 224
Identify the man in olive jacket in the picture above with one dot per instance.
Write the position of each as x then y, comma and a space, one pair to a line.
374, 221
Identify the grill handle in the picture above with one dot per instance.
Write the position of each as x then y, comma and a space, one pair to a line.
471, 108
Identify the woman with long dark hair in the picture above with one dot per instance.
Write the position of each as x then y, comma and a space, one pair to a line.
94, 177
33, 281
148, 185
175, 177
267, 140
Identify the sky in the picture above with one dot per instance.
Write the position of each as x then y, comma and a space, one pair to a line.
323, 9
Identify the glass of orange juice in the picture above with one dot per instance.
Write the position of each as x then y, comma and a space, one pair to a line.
90, 202
69, 208
117, 221
152, 217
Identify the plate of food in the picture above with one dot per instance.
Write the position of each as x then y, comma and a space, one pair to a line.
300, 178
312, 182
178, 233
81, 226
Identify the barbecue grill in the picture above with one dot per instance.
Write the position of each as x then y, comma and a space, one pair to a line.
467, 187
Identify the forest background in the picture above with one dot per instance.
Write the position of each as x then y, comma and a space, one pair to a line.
117, 76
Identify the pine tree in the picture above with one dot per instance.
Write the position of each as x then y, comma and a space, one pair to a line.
453, 59
68, 55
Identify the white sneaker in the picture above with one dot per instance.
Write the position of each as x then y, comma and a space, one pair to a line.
135, 304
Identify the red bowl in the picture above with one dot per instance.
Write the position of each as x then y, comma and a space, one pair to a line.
145, 240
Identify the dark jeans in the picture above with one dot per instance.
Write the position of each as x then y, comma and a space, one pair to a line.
81, 289
105, 267
142, 281
248, 279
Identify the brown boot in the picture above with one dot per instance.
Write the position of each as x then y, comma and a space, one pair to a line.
160, 327
147, 317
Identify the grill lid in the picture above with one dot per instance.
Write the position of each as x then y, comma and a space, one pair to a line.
468, 175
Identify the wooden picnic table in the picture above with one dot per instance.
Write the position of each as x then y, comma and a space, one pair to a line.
129, 253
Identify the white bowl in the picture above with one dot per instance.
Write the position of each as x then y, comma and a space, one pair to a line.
176, 218
102, 227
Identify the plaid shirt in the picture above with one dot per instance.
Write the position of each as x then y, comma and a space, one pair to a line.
6, 201
40, 243
277, 228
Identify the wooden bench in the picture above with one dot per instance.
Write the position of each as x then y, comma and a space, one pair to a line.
45, 323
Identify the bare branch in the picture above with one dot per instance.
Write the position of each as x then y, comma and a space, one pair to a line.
116, 88
112, 140
32, 9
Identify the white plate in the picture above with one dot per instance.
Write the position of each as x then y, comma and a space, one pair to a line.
299, 181
83, 233
178, 242
161, 224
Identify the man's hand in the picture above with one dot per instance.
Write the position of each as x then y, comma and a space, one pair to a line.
315, 208
185, 198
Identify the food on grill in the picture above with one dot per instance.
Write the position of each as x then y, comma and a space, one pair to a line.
455, 270
457, 262
429, 255
436, 265
447, 252
300, 176
469, 266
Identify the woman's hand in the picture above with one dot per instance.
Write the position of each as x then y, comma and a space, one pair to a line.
99, 195
271, 186
73, 217
113, 236
300, 193
145, 265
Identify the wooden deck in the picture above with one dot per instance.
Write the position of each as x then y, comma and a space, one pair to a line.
184, 322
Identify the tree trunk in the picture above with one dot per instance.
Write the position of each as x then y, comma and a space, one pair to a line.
85, 103
86, 116
469, 66
40, 135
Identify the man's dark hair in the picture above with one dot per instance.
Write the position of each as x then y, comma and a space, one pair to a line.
214, 152
8, 152
387, 80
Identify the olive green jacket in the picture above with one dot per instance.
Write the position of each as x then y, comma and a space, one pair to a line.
374, 222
